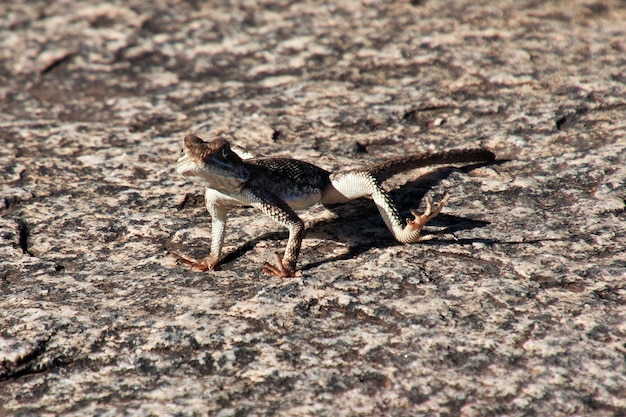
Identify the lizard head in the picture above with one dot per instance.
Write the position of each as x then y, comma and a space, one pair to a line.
212, 164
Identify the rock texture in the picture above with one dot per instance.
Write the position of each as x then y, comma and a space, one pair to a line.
517, 308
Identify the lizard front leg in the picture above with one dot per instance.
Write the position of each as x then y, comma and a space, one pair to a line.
350, 185
218, 214
268, 203
279, 211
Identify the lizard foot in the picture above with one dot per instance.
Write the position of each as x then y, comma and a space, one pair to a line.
195, 264
280, 270
419, 220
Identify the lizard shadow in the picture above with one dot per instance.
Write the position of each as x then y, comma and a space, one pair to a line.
358, 224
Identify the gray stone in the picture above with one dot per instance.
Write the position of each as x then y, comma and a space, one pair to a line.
517, 308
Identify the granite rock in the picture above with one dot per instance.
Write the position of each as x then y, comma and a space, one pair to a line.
517, 308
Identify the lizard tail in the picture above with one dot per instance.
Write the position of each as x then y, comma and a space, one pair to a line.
454, 156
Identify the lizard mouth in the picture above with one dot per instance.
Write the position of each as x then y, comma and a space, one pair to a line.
184, 164
211, 176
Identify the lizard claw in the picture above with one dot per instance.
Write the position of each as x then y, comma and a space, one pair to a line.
420, 220
195, 264
280, 270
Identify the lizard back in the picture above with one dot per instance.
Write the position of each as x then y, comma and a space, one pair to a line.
297, 182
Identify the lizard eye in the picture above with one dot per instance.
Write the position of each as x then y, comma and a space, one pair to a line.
223, 158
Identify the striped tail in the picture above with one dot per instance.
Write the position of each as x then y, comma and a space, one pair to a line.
394, 166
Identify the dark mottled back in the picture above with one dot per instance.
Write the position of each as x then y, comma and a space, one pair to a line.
281, 175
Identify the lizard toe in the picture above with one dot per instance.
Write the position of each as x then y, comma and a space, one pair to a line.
280, 270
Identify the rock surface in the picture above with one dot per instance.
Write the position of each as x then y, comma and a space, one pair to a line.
517, 308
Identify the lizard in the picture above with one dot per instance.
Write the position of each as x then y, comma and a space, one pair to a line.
280, 186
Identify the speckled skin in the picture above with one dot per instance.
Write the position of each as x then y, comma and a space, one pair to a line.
278, 186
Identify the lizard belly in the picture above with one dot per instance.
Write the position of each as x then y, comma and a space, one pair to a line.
302, 201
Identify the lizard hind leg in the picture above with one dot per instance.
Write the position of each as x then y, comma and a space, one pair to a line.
349, 185
414, 226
